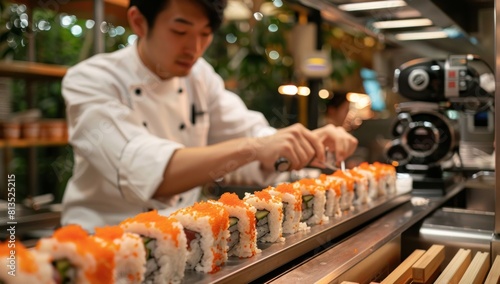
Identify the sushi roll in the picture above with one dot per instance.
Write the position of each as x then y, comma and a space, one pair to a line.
76, 257
360, 186
242, 226
313, 201
379, 178
129, 253
269, 215
18, 265
371, 182
388, 173
164, 244
206, 228
292, 207
333, 188
347, 187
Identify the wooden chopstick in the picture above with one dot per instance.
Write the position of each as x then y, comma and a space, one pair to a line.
402, 273
494, 275
456, 268
427, 265
477, 270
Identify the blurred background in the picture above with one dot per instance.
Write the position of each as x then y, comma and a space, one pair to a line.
286, 59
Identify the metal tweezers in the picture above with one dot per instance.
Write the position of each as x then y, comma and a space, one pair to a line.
332, 167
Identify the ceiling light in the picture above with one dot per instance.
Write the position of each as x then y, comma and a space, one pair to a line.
421, 35
372, 5
402, 23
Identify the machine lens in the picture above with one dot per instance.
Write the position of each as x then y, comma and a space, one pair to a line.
421, 139
397, 153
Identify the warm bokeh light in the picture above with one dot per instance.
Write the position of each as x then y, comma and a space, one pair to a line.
359, 100
288, 90
369, 41
303, 91
324, 94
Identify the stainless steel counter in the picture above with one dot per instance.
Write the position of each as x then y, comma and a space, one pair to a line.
275, 255
28, 220
333, 264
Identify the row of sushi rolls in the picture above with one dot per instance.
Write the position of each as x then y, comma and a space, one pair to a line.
153, 248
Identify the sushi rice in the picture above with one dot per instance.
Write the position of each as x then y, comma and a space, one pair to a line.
360, 187
129, 253
76, 257
269, 215
164, 243
30, 266
242, 226
206, 227
313, 201
292, 207
333, 194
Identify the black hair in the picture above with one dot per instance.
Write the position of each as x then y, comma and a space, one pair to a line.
339, 97
151, 8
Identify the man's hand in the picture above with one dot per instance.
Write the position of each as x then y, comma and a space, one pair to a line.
295, 143
337, 140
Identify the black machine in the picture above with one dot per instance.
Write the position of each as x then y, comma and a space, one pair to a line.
427, 131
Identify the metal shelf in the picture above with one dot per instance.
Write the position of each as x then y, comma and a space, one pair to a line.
31, 70
116, 10
26, 143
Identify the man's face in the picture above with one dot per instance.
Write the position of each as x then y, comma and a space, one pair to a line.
180, 35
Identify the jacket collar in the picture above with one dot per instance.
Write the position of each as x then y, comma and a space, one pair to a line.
147, 78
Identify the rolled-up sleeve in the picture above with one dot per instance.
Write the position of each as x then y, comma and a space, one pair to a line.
142, 166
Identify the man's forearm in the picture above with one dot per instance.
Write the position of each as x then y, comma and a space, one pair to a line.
191, 167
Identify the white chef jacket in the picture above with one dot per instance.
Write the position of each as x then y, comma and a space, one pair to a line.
124, 125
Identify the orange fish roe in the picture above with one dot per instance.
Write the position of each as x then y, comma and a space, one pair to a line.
307, 181
264, 195
4, 249
289, 188
218, 216
336, 185
286, 187
347, 177
26, 259
355, 174
330, 183
109, 233
323, 177
218, 258
368, 167
104, 256
232, 199
162, 223
311, 185
70, 233
385, 167
74, 234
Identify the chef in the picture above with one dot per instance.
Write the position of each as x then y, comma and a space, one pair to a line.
152, 122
